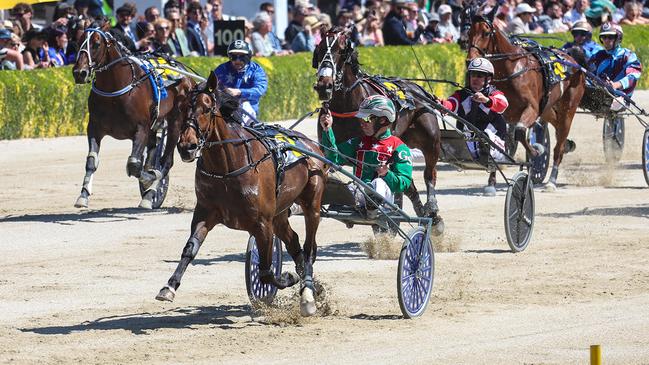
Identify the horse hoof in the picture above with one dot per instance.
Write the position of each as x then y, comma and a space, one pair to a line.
489, 190
167, 294
82, 202
571, 146
307, 303
146, 204
550, 187
438, 228
133, 167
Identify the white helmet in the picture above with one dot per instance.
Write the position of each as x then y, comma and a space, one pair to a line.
480, 64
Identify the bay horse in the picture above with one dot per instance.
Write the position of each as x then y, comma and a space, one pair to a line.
519, 75
122, 105
342, 86
236, 184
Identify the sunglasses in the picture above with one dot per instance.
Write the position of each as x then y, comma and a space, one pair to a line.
579, 33
478, 74
14, 44
607, 36
370, 119
238, 57
162, 28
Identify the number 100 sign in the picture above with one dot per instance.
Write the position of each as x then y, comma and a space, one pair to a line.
226, 32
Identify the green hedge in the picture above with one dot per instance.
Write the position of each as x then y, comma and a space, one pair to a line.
47, 103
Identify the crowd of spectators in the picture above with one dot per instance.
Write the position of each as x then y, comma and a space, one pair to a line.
188, 30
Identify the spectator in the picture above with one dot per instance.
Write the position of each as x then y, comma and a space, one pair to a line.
214, 13
541, 22
555, 13
171, 6
123, 30
161, 42
269, 8
446, 26
394, 33
177, 39
58, 46
96, 8
197, 44
22, 13
35, 46
243, 78
296, 24
262, 38
600, 12
632, 14
10, 58
576, 14
81, 6
371, 35
205, 26
431, 33
151, 14
500, 20
145, 33
304, 41
521, 23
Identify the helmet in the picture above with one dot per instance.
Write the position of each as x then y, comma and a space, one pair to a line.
481, 65
612, 29
239, 47
377, 105
583, 26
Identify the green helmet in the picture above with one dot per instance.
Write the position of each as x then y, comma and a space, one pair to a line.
377, 105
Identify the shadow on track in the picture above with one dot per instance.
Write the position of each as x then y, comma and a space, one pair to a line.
95, 216
141, 323
641, 211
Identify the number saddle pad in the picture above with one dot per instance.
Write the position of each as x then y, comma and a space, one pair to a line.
391, 89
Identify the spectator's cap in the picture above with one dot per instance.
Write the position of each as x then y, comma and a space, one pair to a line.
432, 17
5, 34
444, 9
127, 8
583, 26
34, 34
7, 24
400, 3
312, 21
524, 8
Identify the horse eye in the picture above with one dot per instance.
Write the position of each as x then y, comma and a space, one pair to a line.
95, 45
485, 34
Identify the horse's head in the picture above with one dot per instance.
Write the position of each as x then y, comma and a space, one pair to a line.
329, 57
93, 52
476, 28
481, 37
198, 111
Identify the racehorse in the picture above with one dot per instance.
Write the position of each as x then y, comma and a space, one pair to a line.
519, 75
342, 86
236, 184
122, 105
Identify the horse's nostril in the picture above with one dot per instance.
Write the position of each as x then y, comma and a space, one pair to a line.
83, 73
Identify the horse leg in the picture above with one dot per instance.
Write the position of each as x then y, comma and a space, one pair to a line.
92, 162
264, 238
199, 230
291, 241
527, 118
431, 152
134, 162
561, 133
311, 208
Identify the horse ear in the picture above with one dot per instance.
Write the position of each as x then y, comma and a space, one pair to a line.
314, 60
492, 13
212, 83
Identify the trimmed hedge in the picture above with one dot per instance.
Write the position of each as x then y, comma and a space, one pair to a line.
47, 103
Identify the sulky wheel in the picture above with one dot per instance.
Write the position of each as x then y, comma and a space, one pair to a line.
540, 133
613, 137
161, 191
519, 212
416, 272
258, 291
645, 155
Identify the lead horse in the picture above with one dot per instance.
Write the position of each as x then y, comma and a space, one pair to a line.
519, 75
342, 86
122, 105
236, 184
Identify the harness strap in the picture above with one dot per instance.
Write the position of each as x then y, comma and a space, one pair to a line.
343, 114
231, 174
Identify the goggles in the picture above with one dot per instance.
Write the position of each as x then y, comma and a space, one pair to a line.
478, 74
608, 36
370, 119
238, 57
579, 33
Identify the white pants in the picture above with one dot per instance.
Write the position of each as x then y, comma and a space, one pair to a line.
248, 108
495, 154
379, 185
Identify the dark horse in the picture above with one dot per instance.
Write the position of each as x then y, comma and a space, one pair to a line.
343, 86
236, 184
519, 76
121, 105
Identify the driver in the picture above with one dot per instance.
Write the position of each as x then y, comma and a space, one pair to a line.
243, 78
385, 161
582, 34
483, 106
617, 65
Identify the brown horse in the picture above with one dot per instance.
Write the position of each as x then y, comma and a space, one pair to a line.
519, 76
236, 185
343, 86
121, 105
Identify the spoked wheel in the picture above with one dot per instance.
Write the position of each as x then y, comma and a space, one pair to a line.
416, 272
161, 191
519, 212
613, 137
645, 155
511, 144
258, 291
540, 164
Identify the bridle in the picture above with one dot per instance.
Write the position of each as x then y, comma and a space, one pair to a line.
109, 42
327, 67
192, 120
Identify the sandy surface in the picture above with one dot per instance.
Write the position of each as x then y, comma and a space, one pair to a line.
78, 286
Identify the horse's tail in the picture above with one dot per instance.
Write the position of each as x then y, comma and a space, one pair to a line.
578, 55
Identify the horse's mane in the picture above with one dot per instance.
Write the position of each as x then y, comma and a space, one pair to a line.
228, 104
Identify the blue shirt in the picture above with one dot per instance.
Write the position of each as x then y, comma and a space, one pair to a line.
252, 81
619, 64
589, 47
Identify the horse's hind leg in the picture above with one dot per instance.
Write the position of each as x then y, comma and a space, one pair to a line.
561, 132
92, 162
134, 163
199, 231
263, 234
291, 241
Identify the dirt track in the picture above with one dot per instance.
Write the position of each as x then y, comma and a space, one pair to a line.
79, 286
